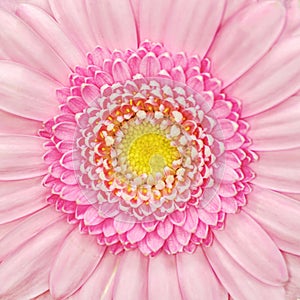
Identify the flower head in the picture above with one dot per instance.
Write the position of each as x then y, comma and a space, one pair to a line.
148, 143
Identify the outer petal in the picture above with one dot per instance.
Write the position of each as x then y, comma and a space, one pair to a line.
241, 43
12, 124
193, 284
74, 264
114, 23
293, 287
25, 273
49, 30
277, 128
21, 157
153, 18
278, 170
26, 93
191, 25
99, 285
236, 280
233, 6
26, 47
74, 20
20, 198
279, 215
264, 86
163, 281
10, 5
263, 261
132, 276
28, 228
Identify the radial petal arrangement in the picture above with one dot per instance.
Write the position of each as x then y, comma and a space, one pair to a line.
149, 149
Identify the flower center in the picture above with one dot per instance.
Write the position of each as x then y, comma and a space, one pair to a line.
148, 150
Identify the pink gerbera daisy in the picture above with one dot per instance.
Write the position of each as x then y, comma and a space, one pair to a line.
150, 149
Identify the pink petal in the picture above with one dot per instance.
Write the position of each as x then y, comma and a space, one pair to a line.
162, 278
122, 227
225, 130
153, 19
154, 241
277, 128
34, 98
64, 131
74, 264
242, 42
21, 157
113, 23
279, 215
21, 197
7, 227
193, 284
26, 47
121, 71
293, 287
26, 271
12, 124
74, 21
234, 6
264, 261
49, 30
99, 285
131, 279
164, 229
28, 228
278, 170
236, 280
191, 25
273, 87
150, 65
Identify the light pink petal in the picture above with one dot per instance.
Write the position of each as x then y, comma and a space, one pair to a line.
44, 296
113, 22
193, 284
12, 124
233, 6
76, 261
25, 273
236, 280
162, 278
264, 261
278, 170
49, 30
44, 4
293, 286
20, 198
28, 228
242, 42
24, 46
277, 128
132, 277
99, 285
89, 92
150, 65
192, 25
73, 18
7, 227
21, 157
293, 18
279, 215
27, 93
153, 18
271, 80
121, 70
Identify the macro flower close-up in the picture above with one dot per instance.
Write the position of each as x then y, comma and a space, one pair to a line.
150, 149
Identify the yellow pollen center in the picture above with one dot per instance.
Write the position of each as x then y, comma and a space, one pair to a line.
150, 153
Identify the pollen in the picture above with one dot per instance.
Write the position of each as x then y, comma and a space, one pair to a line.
150, 153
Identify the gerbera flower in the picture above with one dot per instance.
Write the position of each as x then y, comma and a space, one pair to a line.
150, 149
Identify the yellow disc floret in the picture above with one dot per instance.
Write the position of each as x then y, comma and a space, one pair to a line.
151, 153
